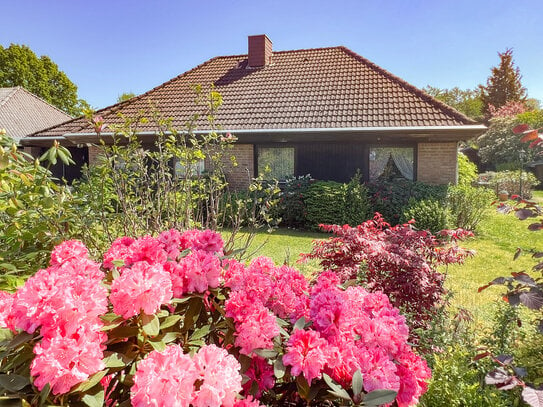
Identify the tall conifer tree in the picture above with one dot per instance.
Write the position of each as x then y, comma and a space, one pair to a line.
504, 84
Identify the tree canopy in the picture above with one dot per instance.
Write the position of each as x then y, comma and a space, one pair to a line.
504, 84
20, 66
125, 96
466, 101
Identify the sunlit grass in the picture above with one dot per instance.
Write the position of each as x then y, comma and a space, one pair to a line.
496, 241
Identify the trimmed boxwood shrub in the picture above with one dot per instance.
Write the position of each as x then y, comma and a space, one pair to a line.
330, 202
428, 214
390, 199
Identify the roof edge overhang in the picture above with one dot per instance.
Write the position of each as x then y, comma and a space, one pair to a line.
420, 133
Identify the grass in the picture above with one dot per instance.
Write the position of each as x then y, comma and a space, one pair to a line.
496, 241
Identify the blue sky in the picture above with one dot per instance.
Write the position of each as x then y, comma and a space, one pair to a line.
110, 47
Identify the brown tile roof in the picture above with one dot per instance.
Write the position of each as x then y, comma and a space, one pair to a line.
23, 113
310, 88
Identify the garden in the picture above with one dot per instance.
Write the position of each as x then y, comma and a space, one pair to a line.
138, 286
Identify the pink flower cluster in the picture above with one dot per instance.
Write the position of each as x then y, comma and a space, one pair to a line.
153, 271
171, 378
64, 302
259, 294
347, 330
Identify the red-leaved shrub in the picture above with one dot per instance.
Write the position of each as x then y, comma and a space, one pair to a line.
397, 260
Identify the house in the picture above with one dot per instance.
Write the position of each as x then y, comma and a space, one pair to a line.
23, 113
325, 112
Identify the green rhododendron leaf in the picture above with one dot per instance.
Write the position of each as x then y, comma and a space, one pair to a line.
94, 400
90, 383
170, 321
151, 324
279, 368
13, 382
358, 383
379, 397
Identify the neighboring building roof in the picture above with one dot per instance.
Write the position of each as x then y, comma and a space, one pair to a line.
23, 113
323, 88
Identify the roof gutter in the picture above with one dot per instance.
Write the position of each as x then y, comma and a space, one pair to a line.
92, 137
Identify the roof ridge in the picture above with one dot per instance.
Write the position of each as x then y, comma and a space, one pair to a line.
14, 90
288, 51
413, 89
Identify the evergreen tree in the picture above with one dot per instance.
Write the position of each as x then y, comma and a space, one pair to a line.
504, 84
20, 66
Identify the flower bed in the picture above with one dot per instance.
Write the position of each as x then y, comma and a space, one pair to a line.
172, 321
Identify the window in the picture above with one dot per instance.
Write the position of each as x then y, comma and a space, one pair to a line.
180, 170
388, 163
275, 162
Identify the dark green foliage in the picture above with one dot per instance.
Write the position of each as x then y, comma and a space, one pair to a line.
428, 215
37, 211
292, 207
390, 199
330, 202
468, 205
20, 66
504, 84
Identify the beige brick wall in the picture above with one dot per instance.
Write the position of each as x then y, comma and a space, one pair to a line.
240, 176
94, 152
437, 163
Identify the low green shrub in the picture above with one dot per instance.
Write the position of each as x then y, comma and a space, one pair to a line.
457, 382
468, 205
467, 170
293, 210
428, 215
390, 199
330, 202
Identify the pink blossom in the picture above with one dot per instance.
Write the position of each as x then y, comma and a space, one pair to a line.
164, 379
289, 296
219, 373
378, 369
119, 250
248, 402
200, 270
256, 330
68, 250
414, 375
171, 241
177, 276
261, 373
306, 353
148, 249
64, 361
143, 287
206, 240
60, 298
6, 301
326, 308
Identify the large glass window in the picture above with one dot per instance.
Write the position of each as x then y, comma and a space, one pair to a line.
196, 169
275, 162
388, 163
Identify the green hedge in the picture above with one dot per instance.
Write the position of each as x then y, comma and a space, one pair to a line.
330, 202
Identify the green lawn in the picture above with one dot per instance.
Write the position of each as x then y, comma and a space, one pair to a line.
495, 243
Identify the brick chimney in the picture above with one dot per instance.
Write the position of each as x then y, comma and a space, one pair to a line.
260, 51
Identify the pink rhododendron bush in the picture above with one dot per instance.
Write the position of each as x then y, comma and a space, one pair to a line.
172, 321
